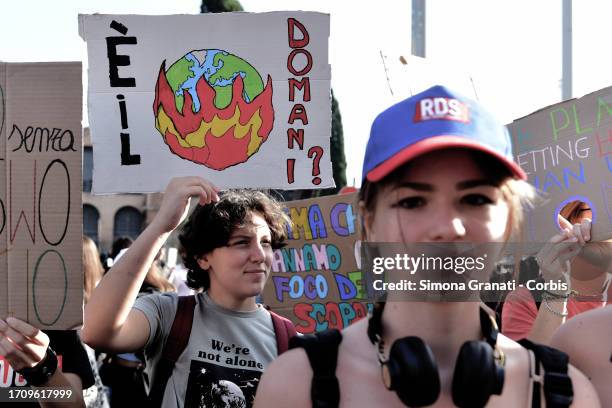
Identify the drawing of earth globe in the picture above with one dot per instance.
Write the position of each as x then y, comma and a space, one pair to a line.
219, 68
211, 107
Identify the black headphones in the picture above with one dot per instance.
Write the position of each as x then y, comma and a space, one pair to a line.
411, 369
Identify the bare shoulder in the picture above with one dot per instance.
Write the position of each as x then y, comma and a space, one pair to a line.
516, 360
517, 363
584, 392
286, 382
583, 333
514, 352
583, 338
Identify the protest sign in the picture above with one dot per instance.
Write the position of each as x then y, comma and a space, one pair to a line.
316, 278
409, 75
566, 150
238, 98
40, 193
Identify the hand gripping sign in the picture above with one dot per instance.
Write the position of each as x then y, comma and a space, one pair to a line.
241, 99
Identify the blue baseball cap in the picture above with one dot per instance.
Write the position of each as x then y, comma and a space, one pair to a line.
435, 119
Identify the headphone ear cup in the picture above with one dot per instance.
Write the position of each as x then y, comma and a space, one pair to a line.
413, 372
476, 376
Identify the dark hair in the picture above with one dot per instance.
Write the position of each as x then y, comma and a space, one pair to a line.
528, 270
119, 244
572, 211
210, 226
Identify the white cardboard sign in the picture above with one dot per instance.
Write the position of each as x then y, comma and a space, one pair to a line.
238, 98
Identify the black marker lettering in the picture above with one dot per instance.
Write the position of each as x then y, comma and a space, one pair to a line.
127, 159
123, 111
115, 60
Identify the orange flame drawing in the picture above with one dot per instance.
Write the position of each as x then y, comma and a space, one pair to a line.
216, 138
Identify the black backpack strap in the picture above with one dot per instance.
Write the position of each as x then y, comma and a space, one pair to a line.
558, 389
322, 351
175, 344
284, 330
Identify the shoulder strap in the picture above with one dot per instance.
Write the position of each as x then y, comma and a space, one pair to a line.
175, 344
322, 351
284, 330
558, 389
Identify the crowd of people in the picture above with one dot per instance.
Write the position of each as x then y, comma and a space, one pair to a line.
450, 178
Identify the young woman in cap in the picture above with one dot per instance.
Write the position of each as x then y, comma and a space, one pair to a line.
227, 246
437, 169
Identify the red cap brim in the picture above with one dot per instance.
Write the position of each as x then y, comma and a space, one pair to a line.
439, 143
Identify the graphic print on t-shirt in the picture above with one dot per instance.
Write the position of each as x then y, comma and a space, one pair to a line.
213, 386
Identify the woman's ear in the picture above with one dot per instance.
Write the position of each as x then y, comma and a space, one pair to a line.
203, 262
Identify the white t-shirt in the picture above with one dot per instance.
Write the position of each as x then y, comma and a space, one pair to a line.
225, 356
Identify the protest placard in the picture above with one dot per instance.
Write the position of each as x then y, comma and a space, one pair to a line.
409, 75
316, 278
566, 150
41, 277
238, 98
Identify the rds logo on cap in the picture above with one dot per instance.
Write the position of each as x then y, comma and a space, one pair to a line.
441, 108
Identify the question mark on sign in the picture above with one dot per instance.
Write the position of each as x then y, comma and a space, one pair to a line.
317, 152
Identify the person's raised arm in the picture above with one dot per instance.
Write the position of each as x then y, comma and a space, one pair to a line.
110, 322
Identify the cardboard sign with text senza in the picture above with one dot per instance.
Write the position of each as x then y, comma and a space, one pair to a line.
316, 279
240, 99
41, 278
566, 150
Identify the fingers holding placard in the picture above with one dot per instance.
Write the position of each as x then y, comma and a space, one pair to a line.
22, 344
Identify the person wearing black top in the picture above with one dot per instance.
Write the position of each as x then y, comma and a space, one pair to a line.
50, 359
